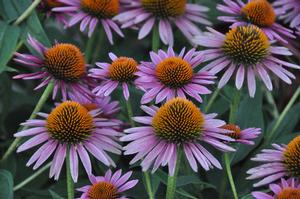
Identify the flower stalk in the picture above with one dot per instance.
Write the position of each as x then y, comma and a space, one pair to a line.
172, 180
32, 177
70, 183
27, 12
232, 119
282, 115
155, 39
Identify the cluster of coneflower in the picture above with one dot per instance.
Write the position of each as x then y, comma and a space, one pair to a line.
83, 124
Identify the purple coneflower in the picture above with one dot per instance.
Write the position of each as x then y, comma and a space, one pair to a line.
46, 6
283, 160
70, 128
169, 75
256, 12
184, 15
176, 125
109, 186
246, 50
90, 12
286, 189
291, 13
120, 71
242, 136
63, 63
108, 108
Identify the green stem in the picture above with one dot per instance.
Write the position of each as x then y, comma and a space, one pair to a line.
99, 46
234, 107
32, 177
70, 183
148, 185
271, 101
172, 180
129, 112
229, 174
282, 115
37, 108
27, 12
89, 47
155, 39
232, 119
212, 100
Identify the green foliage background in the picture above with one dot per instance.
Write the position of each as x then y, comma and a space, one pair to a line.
17, 100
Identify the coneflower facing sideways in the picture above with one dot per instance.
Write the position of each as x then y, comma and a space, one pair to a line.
283, 160
244, 136
46, 7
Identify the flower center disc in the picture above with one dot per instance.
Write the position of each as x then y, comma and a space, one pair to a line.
236, 131
52, 3
174, 72
259, 12
178, 120
123, 69
289, 193
69, 122
292, 157
165, 8
246, 45
65, 62
103, 190
102, 9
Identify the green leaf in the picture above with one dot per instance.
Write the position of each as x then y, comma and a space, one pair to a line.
32, 24
250, 114
55, 195
185, 194
192, 179
8, 10
162, 176
288, 124
6, 182
249, 196
9, 36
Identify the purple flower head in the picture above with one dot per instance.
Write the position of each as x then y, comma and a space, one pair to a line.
46, 6
120, 71
283, 160
246, 51
285, 189
166, 12
169, 75
290, 12
256, 12
108, 186
91, 12
62, 63
242, 136
70, 128
177, 125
